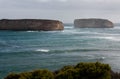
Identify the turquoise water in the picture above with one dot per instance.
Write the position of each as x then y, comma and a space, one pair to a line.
29, 50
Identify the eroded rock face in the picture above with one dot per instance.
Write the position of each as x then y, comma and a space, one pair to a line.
93, 23
30, 24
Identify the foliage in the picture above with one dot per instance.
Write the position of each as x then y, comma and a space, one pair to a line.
80, 71
42, 74
115, 75
13, 76
85, 71
93, 70
37, 74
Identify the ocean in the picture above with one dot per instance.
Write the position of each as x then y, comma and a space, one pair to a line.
29, 50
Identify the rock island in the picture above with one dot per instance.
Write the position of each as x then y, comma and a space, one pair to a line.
93, 23
30, 24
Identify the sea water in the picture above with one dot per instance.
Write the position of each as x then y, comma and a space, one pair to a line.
29, 50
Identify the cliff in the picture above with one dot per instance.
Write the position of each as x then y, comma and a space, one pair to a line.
93, 23
30, 24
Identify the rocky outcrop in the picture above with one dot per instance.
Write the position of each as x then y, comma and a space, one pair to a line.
30, 24
93, 23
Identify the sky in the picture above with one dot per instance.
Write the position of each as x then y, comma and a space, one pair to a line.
63, 10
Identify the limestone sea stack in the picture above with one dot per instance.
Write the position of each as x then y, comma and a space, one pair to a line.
93, 23
30, 24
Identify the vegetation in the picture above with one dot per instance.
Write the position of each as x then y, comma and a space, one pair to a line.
80, 71
115, 75
85, 71
37, 74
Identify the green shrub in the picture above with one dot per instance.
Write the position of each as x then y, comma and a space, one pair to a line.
115, 75
12, 76
63, 69
42, 74
66, 68
37, 74
25, 75
85, 71
80, 71
93, 70
68, 74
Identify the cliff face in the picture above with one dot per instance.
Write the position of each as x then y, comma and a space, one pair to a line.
93, 23
31, 24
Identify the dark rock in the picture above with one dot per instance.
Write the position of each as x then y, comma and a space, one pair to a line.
93, 23
30, 24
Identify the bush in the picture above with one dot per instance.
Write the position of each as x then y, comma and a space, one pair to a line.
42, 74
67, 72
85, 71
12, 76
25, 75
37, 74
80, 71
93, 70
115, 75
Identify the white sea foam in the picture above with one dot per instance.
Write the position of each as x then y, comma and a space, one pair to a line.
85, 32
109, 38
76, 32
32, 31
69, 27
100, 58
42, 50
116, 27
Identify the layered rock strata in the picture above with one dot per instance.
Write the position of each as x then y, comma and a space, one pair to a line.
30, 24
93, 23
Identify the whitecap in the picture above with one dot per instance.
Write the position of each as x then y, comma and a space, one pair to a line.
42, 50
109, 38
68, 27
113, 38
117, 27
32, 31
100, 58
76, 32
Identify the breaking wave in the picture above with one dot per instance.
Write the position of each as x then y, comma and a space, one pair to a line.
42, 50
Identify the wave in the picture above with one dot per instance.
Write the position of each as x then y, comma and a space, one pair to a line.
42, 50
76, 32
87, 32
68, 27
81, 50
32, 31
109, 38
73, 31
94, 31
116, 27
65, 50
41, 31
100, 58
57, 51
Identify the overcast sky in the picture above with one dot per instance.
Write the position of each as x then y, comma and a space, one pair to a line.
64, 10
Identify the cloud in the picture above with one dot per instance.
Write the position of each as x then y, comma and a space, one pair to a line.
43, 0
52, 0
62, 4
59, 9
62, 0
